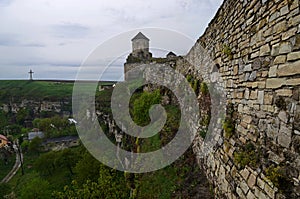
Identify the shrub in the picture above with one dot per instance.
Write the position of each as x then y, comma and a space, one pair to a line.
247, 156
203, 133
277, 175
228, 127
227, 51
204, 88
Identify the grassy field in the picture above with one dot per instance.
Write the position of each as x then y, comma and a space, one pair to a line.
37, 90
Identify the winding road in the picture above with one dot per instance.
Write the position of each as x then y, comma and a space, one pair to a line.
15, 168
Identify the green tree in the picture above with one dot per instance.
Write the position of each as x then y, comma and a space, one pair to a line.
14, 129
111, 185
67, 158
143, 104
87, 169
35, 145
3, 119
45, 164
36, 188
25, 145
22, 115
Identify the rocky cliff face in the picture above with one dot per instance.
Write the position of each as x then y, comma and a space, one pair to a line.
38, 106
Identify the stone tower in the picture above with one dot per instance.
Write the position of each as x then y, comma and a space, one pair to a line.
140, 46
140, 53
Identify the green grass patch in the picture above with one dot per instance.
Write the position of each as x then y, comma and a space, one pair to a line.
23, 89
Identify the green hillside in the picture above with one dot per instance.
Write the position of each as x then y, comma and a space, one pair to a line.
36, 90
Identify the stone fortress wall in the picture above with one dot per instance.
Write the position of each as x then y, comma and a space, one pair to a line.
256, 48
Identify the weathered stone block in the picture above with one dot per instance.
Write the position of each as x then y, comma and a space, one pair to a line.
250, 195
275, 83
280, 59
297, 119
296, 94
290, 33
252, 76
245, 173
289, 69
256, 64
235, 70
294, 21
293, 82
274, 16
260, 194
240, 108
280, 27
270, 191
240, 95
261, 183
264, 74
248, 68
295, 4
297, 40
284, 137
275, 50
273, 71
244, 187
293, 56
261, 84
240, 192
272, 131
252, 181
274, 158
285, 47
247, 119
265, 50
255, 54
268, 100
284, 92
260, 97
253, 94
247, 94
283, 116
284, 10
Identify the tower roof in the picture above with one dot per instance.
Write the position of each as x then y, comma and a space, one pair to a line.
139, 36
171, 54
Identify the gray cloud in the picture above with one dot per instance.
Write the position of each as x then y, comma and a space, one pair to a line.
70, 30
8, 40
5, 2
38, 45
12, 40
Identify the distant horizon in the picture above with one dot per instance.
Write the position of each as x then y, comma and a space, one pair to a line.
60, 80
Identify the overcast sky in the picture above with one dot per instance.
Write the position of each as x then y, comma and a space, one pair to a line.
53, 37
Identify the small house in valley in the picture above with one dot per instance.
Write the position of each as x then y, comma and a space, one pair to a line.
56, 144
4, 141
34, 134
